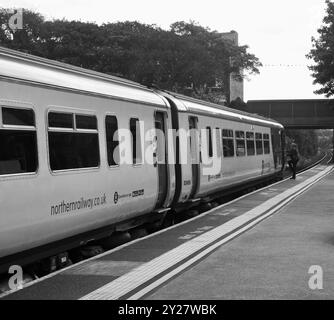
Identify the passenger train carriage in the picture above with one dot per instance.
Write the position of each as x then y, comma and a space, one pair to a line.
62, 181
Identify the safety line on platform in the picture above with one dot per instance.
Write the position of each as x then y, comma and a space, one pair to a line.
141, 275
181, 268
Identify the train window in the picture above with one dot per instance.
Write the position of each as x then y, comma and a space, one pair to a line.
258, 141
112, 140
71, 149
240, 142
136, 141
240, 135
266, 144
218, 142
209, 137
250, 143
18, 117
18, 144
228, 143
61, 120
86, 122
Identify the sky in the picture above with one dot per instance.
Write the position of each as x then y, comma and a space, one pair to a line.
277, 32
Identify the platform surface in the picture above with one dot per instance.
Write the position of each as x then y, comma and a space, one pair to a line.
226, 253
272, 260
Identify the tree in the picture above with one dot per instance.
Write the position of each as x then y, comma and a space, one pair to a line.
187, 58
325, 138
74, 42
213, 59
322, 53
307, 141
25, 39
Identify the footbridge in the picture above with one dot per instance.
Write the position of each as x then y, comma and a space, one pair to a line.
296, 114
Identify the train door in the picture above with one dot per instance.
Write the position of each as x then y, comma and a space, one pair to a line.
161, 157
194, 151
277, 144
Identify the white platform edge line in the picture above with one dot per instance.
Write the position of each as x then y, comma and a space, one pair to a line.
205, 252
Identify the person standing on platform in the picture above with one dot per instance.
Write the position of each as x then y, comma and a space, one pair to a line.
293, 155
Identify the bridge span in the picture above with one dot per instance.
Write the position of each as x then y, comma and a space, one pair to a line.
296, 114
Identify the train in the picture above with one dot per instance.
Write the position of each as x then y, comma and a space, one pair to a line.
63, 178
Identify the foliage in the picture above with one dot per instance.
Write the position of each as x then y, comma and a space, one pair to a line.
187, 58
25, 39
306, 140
325, 138
322, 53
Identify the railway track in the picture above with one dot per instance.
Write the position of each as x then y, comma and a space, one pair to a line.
326, 158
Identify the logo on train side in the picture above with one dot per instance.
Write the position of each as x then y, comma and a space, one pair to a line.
133, 194
214, 177
66, 206
116, 197
137, 193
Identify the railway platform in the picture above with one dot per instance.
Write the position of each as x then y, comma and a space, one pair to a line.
230, 252
275, 260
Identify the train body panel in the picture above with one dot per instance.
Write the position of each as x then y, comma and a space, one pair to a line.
209, 123
233, 169
37, 208
186, 153
37, 70
67, 167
